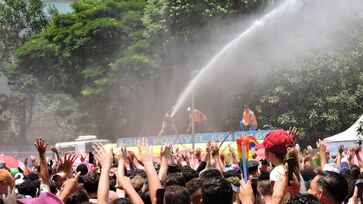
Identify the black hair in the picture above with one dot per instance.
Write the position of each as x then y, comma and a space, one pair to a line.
308, 174
217, 190
232, 173
83, 169
137, 182
264, 176
334, 185
33, 176
175, 179
91, 182
210, 173
355, 171
121, 201
145, 197
347, 175
193, 185
304, 199
189, 173
52, 187
174, 169
264, 187
28, 187
78, 197
140, 172
176, 195
264, 162
112, 183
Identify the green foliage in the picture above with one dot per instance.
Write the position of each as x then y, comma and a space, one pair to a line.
18, 20
80, 53
319, 95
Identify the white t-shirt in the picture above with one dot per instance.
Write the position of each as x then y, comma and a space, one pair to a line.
277, 173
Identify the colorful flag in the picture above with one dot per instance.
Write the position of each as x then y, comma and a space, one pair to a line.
252, 141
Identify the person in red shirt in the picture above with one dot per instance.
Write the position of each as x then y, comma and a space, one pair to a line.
199, 120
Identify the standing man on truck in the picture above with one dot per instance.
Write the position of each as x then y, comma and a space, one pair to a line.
249, 121
199, 120
168, 127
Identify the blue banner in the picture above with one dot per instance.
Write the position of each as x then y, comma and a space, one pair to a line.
199, 138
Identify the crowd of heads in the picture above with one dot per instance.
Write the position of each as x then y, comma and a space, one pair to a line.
286, 174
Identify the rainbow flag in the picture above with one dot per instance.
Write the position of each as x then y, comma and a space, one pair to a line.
246, 144
252, 141
243, 145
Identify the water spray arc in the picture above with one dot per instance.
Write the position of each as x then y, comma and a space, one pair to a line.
257, 24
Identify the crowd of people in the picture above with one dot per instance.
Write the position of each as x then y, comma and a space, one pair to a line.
287, 174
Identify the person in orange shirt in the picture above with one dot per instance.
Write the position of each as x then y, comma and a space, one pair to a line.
199, 120
249, 121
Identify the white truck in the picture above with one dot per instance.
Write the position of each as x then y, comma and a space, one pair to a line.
81, 144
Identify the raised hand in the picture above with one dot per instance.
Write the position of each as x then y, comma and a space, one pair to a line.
54, 149
68, 163
41, 145
145, 155
306, 160
122, 152
309, 148
246, 192
69, 186
341, 149
321, 145
165, 150
281, 186
351, 153
10, 198
103, 156
215, 149
185, 158
297, 146
198, 153
176, 150
83, 156
131, 157
178, 158
26, 161
147, 160
358, 149
294, 132
208, 146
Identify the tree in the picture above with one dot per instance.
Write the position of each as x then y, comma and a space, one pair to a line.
19, 19
85, 54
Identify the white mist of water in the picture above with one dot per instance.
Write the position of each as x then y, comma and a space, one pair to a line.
282, 8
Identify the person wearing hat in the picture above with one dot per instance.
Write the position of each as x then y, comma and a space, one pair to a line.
252, 166
276, 144
6, 180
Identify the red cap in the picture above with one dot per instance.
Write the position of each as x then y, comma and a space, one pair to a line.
278, 141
